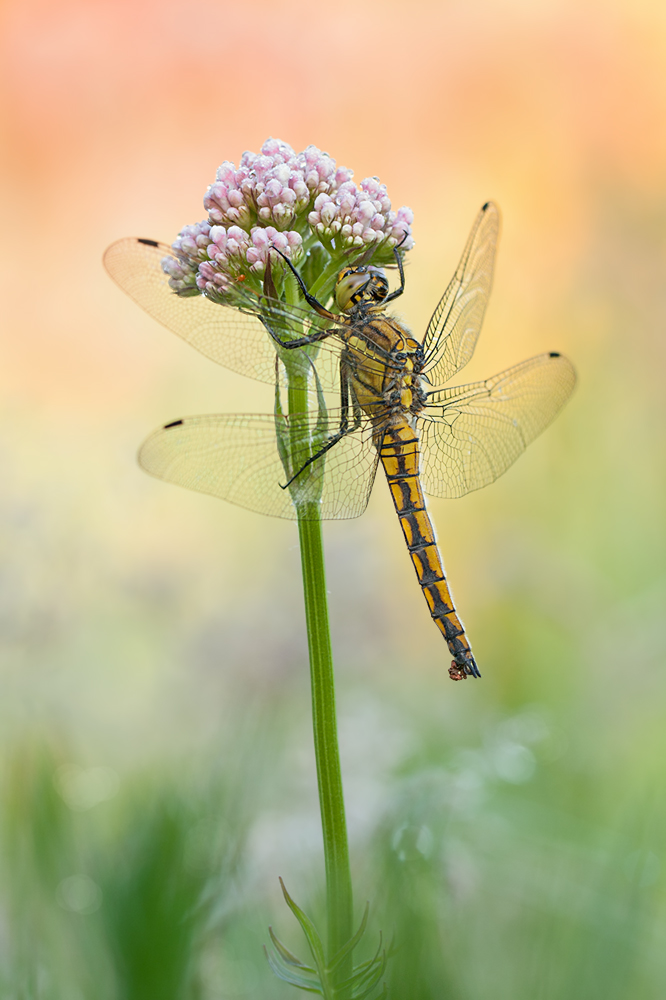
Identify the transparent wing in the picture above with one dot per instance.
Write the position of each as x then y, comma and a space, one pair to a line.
236, 457
454, 328
471, 434
237, 338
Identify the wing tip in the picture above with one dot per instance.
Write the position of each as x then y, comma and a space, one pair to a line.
567, 363
490, 216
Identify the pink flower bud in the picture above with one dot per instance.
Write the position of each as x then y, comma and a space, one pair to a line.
273, 188
346, 204
207, 271
226, 173
328, 213
262, 237
281, 173
365, 211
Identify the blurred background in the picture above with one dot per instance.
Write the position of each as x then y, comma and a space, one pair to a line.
157, 765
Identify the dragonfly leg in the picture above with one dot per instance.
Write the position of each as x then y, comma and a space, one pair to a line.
343, 429
311, 338
401, 270
313, 458
310, 299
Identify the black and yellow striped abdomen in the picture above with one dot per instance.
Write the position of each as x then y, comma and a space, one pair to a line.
399, 454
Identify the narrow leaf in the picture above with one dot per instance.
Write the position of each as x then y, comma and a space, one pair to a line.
310, 931
370, 980
375, 958
287, 955
353, 941
269, 284
366, 970
300, 982
366, 993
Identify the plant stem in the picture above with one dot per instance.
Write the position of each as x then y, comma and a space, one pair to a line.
329, 776
339, 904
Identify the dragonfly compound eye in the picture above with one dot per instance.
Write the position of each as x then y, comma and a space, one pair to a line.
358, 284
350, 287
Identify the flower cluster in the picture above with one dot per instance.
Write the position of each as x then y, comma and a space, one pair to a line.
279, 200
358, 216
191, 250
232, 252
272, 187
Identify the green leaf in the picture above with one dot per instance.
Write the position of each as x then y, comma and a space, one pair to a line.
287, 955
369, 980
310, 931
353, 941
287, 976
362, 996
368, 972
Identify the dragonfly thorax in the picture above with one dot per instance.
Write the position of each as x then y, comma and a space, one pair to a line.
362, 284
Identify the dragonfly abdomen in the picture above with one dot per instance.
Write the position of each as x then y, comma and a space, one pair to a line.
399, 454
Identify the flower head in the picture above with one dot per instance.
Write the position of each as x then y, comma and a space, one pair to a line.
278, 199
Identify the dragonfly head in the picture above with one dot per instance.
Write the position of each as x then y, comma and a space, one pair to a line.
360, 284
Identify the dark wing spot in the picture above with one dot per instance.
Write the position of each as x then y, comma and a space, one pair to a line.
176, 423
484, 208
555, 354
148, 243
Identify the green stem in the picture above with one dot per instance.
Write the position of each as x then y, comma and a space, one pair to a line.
326, 277
339, 908
329, 776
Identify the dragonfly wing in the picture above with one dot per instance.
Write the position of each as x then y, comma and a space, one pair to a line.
233, 337
235, 457
456, 322
471, 434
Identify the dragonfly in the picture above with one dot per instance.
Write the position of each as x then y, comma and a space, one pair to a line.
393, 406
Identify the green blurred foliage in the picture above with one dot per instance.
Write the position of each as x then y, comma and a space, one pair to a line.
498, 866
